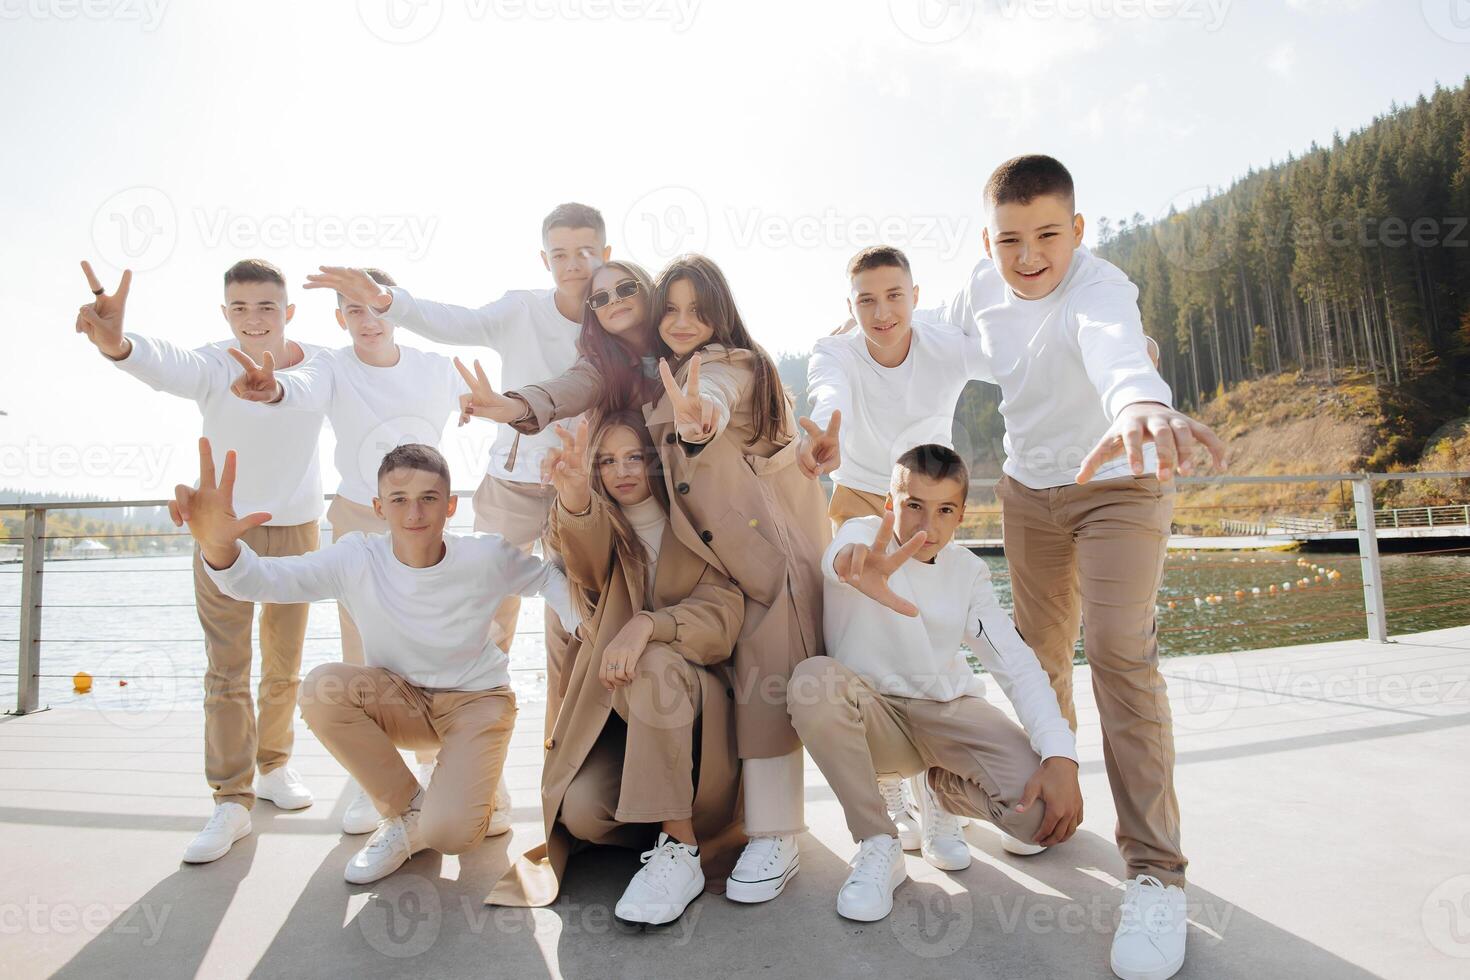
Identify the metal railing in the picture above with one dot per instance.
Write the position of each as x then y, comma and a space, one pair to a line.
1365, 521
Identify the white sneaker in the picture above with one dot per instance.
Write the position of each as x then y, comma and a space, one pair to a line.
394, 842
764, 868
902, 810
1149, 943
944, 843
230, 822
425, 772
1019, 847
283, 787
499, 811
361, 816
877, 870
662, 889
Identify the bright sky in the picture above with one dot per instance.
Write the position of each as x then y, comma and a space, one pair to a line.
430, 136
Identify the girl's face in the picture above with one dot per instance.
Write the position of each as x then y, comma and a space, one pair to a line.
618, 316
682, 327
622, 464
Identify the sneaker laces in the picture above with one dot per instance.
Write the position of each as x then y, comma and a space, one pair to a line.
895, 798
659, 862
757, 856
873, 862
939, 822
221, 816
390, 830
1137, 917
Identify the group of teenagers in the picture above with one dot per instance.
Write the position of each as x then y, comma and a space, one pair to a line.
710, 612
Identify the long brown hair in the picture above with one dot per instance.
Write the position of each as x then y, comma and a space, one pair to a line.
627, 547
717, 309
624, 384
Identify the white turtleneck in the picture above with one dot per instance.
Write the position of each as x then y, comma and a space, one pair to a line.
648, 520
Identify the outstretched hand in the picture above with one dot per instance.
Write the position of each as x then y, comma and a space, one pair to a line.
566, 469
694, 414
102, 319
355, 286
1175, 435
819, 452
258, 382
483, 401
867, 567
209, 510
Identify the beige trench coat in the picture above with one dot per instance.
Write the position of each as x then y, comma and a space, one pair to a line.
697, 614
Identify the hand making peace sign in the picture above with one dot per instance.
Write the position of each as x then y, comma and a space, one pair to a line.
694, 414
867, 568
566, 469
258, 383
483, 402
819, 451
102, 319
209, 511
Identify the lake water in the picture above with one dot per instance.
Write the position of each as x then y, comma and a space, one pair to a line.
132, 619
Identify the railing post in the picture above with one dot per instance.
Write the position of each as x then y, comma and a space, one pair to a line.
1368, 558
33, 562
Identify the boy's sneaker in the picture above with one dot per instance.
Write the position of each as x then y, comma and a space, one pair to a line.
499, 810
902, 810
1149, 943
394, 842
662, 889
283, 787
944, 844
230, 822
877, 870
764, 868
361, 816
1019, 847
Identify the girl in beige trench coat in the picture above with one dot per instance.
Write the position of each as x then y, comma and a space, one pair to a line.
726, 436
648, 691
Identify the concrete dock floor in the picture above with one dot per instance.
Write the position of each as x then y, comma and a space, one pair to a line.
1326, 809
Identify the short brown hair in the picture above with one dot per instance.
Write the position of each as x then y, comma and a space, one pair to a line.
934, 461
878, 257
378, 276
574, 215
1021, 180
414, 456
254, 270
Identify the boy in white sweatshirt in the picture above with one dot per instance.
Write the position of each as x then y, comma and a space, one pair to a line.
284, 479
1060, 333
434, 678
534, 331
896, 695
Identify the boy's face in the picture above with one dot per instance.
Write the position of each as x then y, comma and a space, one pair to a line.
572, 255
935, 507
367, 331
882, 301
1032, 244
257, 313
415, 503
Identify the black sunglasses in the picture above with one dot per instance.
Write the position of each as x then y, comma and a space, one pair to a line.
603, 297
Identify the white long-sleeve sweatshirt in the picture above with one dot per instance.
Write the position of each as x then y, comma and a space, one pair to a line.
920, 657
1066, 364
431, 626
276, 453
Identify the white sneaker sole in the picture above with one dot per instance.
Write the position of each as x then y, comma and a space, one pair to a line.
355, 876
755, 892
936, 861
1162, 973
911, 840
288, 805
877, 916
365, 827
1020, 848
658, 915
218, 853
